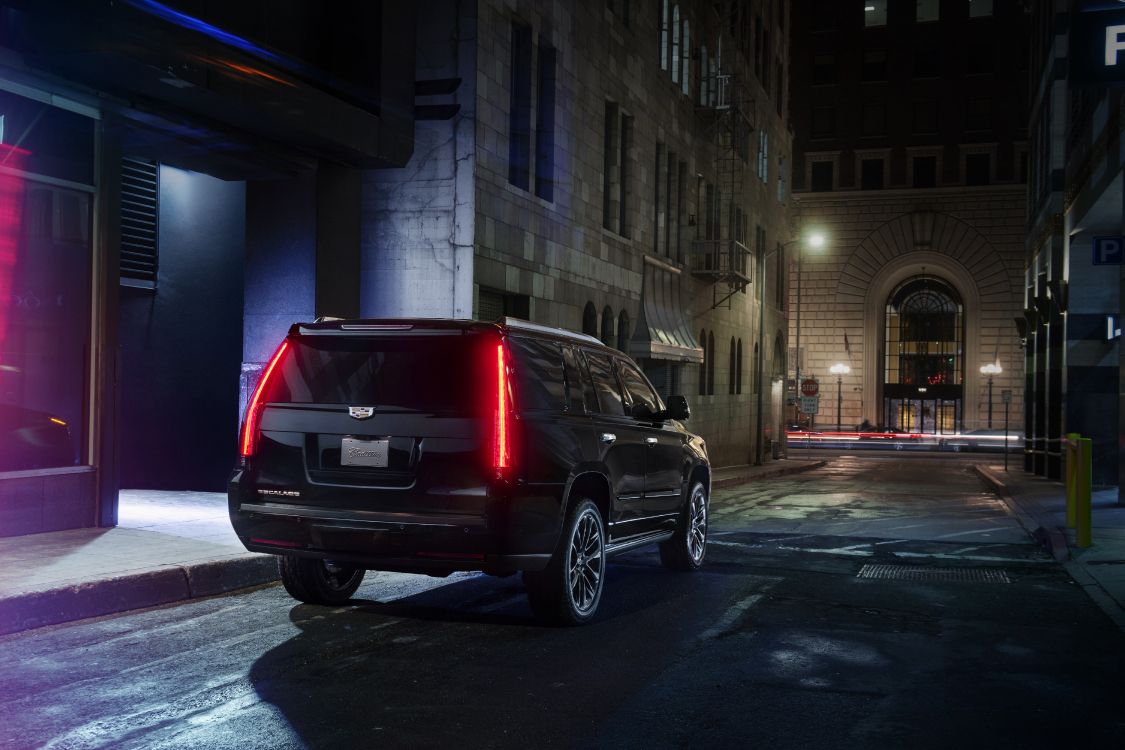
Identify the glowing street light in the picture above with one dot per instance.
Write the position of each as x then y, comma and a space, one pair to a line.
991, 369
839, 370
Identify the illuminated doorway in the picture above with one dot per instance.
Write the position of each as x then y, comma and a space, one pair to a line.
923, 372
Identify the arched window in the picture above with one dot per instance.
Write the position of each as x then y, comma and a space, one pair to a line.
607, 326
685, 81
675, 44
623, 331
703, 364
732, 368
590, 320
711, 363
738, 385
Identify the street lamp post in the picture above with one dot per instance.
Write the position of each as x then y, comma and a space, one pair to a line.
839, 370
990, 370
815, 240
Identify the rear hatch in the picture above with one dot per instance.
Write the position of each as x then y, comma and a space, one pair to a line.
379, 418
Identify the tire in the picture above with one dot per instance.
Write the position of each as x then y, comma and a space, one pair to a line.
318, 581
688, 546
569, 589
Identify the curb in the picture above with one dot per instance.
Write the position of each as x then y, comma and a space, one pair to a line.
1051, 539
149, 588
769, 473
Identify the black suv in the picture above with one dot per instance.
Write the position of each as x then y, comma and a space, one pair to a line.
432, 446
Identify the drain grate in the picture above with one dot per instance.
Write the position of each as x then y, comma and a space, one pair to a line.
922, 573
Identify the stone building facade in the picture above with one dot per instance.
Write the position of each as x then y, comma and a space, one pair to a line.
619, 168
910, 159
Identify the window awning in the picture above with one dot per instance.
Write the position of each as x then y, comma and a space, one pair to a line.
663, 332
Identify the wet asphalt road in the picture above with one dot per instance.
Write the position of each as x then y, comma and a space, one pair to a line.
777, 643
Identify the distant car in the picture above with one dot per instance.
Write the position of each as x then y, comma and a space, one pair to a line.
31, 439
433, 446
982, 440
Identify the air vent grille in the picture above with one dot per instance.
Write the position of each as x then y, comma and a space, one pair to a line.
139, 221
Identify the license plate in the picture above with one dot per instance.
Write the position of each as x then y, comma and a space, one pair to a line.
355, 452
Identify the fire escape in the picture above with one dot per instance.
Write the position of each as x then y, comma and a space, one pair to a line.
721, 257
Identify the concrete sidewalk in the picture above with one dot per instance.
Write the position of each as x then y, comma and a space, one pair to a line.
1040, 505
168, 547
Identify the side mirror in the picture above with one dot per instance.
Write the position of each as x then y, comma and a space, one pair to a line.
677, 408
643, 413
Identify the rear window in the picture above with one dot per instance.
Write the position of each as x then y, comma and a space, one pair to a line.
539, 374
433, 372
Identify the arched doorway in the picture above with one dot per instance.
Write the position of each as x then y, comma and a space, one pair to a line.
923, 370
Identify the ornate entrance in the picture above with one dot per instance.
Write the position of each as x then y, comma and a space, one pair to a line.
923, 357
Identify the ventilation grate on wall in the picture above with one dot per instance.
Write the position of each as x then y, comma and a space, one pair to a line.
927, 574
139, 222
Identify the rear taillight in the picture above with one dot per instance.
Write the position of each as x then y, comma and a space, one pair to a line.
503, 425
248, 442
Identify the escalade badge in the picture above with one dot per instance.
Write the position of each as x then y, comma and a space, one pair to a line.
361, 412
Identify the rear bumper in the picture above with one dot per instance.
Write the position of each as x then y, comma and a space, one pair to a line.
517, 532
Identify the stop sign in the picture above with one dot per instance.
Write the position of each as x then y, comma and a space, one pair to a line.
810, 387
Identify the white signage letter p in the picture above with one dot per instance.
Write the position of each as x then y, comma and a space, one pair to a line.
1113, 43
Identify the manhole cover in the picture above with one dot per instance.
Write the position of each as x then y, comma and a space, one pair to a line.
923, 573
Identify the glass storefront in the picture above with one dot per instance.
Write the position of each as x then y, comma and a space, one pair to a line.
46, 208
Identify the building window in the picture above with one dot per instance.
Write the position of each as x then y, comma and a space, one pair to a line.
821, 173
874, 65
823, 123
675, 44
607, 326
703, 364
590, 320
978, 169
978, 114
874, 120
738, 369
824, 69
658, 218
732, 368
781, 179
874, 12
681, 180
924, 171
685, 76
927, 10
617, 170
925, 117
763, 155
545, 124
519, 113
980, 8
493, 305
670, 217
711, 363
664, 29
927, 62
871, 174
623, 331
981, 57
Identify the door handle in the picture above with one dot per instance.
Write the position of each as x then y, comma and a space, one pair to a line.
650, 441
608, 437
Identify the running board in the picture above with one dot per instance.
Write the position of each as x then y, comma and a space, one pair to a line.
615, 548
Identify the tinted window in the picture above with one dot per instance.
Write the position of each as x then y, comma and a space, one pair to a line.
609, 395
581, 391
637, 387
425, 373
539, 374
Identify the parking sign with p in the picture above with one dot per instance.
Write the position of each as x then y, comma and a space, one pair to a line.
1107, 250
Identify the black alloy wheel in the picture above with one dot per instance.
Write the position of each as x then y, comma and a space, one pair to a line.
318, 581
688, 545
568, 590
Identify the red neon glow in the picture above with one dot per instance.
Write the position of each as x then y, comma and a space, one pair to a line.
249, 441
501, 442
11, 228
275, 542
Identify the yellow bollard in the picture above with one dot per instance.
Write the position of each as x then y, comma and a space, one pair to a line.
1085, 471
1071, 454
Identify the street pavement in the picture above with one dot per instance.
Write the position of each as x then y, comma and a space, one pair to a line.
167, 547
874, 602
